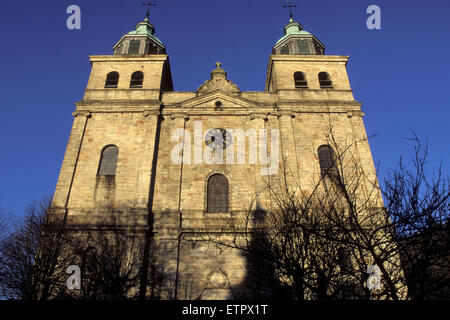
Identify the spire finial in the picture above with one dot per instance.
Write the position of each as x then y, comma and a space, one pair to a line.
218, 64
290, 6
148, 4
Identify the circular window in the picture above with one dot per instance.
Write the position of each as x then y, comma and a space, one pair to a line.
218, 137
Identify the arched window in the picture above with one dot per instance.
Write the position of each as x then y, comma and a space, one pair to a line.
217, 194
327, 161
300, 80
325, 81
108, 161
112, 79
303, 47
134, 47
137, 78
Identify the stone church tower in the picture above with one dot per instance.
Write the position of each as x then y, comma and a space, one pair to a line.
170, 166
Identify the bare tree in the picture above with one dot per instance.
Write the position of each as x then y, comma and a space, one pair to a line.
316, 242
288, 246
350, 202
35, 255
320, 243
31, 266
5, 224
418, 204
110, 263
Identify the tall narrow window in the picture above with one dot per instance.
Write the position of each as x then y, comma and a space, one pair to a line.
300, 80
134, 47
325, 81
327, 161
112, 79
108, 161
303, 47
137, 78
284, 49
217, 194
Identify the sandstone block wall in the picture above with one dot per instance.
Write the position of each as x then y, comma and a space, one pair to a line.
141, 123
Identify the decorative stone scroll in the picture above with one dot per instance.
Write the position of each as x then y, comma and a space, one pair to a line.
84, 113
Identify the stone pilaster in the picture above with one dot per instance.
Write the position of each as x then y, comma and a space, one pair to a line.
69, 165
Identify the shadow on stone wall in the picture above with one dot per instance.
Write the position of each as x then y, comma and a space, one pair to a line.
261, 280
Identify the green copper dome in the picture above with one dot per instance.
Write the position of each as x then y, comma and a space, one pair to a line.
297, 41
140, 41
147, 29
293, 28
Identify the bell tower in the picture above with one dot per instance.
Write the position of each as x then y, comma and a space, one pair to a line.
298, 66
139, 62
107, 166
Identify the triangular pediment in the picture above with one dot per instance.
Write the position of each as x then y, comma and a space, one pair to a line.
217, 99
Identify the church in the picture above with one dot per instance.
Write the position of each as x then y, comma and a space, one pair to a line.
171, 166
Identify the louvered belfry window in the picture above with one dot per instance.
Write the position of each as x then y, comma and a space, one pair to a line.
300, 80
326, 160
217, 194
134, 47
112, 79
137, 78
325, 81
108, 161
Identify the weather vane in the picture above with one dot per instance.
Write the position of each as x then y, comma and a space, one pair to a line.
148, 4
290, 6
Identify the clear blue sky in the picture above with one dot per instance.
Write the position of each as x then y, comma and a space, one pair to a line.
400, 73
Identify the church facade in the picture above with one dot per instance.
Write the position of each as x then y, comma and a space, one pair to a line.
173, 165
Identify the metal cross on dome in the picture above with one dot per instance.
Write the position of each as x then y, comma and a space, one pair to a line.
290, 6
148, 4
